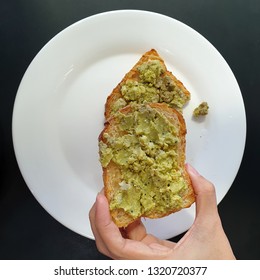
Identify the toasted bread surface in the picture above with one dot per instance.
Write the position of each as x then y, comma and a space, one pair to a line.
148, 81
142, 152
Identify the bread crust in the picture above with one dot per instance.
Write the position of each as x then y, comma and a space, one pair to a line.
112, 175
133, 75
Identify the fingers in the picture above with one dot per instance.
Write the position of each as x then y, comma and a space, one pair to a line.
206, 203
111, 243
136, 230
107, 235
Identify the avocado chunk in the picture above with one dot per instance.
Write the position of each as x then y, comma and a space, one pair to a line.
201, 110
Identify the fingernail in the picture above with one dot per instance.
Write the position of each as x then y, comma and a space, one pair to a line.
97, 197
192, 170
100, 192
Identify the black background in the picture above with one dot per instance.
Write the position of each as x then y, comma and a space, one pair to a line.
27, 231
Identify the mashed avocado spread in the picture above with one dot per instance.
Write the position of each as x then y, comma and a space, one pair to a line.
145, 149
201, 110
153, 85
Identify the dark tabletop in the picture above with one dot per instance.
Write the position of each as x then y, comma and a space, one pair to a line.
27, 231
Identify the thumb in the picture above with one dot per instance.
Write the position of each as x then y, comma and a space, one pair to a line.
206, 202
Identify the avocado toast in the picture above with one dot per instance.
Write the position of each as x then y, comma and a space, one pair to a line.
142, 146
142, 152
148, 81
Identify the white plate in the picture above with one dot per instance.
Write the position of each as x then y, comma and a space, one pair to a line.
58, 112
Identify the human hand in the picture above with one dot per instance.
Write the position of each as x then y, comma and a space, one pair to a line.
205, 239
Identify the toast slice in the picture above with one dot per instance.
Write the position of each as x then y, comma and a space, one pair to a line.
148, 81
142, 153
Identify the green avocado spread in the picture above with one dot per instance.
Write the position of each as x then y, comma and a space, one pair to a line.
201, 110
146, 155
153, 85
